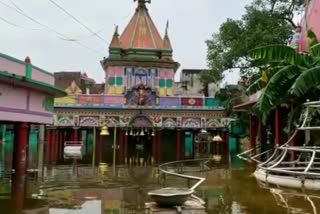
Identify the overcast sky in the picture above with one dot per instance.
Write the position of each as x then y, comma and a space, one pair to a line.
191, 23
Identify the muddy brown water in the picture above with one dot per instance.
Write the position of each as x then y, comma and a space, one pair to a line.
75, 190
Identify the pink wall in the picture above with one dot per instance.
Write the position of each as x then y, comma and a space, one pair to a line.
20, 104
20, 69
36, 102
167, 73
42, 77
13, 97
12, 67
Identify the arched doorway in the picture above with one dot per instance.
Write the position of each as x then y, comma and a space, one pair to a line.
140, 141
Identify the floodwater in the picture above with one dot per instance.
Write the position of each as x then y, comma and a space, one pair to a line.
77, 189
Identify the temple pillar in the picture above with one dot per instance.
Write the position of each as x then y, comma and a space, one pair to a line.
21, 147
48, 145
253, 131
178, 145
122, 149
41, 144
53, 146
20, 165
75, 135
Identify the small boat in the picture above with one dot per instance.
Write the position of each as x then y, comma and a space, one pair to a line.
170, 197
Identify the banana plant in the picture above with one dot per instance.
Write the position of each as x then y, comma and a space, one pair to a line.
292, 75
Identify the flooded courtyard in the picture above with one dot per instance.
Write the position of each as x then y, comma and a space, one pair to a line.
78, 188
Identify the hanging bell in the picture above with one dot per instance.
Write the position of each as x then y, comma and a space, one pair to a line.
152, 134
126, 133
131, 132
104, 131
142, 132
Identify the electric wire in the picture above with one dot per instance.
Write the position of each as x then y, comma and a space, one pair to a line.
77, 20
60, 35
15, 25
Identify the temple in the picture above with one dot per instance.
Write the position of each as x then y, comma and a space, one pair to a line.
138, 103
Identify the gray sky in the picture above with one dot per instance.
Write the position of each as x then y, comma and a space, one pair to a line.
191, 23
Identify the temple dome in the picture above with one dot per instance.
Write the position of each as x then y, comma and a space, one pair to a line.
141, 38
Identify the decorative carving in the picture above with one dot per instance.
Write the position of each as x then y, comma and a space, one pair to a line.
73, 89
112, 121
89, 121
140, 121
191, 123
169, 122
213, 124
141, 95
65, 121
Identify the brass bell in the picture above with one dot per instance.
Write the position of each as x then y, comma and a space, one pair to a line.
104, 131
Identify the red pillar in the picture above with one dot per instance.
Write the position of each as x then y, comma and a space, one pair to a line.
21, 147
178, 145
48, 145
20, 165
75, 135
277, 127
253, 131
53, 145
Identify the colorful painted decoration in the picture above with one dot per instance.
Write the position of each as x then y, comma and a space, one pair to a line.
141, 96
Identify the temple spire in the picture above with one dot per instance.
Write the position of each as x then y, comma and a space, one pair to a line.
142, 3
167, 28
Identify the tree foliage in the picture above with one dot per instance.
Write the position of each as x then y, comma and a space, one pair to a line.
265, 22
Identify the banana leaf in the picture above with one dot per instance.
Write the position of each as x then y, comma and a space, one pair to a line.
255, 86
277, 90
277, 53
308, 80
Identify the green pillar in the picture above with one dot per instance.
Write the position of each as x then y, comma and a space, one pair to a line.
28, 68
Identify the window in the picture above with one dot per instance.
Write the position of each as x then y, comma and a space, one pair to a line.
119, 81
111, 81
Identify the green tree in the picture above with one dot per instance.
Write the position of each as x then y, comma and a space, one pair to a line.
265, 22
291, 76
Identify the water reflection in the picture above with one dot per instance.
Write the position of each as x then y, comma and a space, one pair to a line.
60, 191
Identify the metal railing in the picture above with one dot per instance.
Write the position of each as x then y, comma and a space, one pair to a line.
287, 160
179, 168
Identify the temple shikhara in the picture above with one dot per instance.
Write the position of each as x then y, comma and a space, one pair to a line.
138, 103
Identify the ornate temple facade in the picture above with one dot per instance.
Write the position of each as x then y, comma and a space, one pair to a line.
139, 101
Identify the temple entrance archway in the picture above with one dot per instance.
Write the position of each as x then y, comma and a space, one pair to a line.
140, 141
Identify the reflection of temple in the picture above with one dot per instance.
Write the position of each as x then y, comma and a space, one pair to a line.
139, 99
